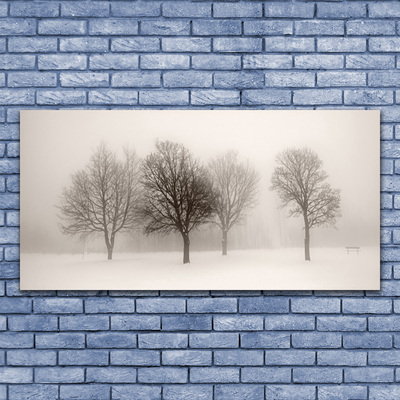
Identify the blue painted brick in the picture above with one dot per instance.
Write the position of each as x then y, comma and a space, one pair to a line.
369, 61
164, 61
381, 392
237, 45
241, 323
17, 26
383, 357
87, 45
289, 79
384, 10
317, 97
214, 340
317, 27
368, 97
342, 358
33, 392
341, 45
11, 253
3, 320
319, 61
187, 392
366, 306
111, 375
386, 134
214, 97
342, 78
162, 375
375, 28
193, 45
263, 305
367, 341
238, 357
9, 270
266, 375
13, 340
317, 375
261, 340
345, 10
123, 97
163, 340
15, 306
113, 61
32, 322
266, 96
3, 9
384, 44
61, 27
16, 375
179, 98
183, 9
341, 323
135, 322
237, 10
216, 27
290, 392
58, 97
321, 340
367, 374
60, 375
336, 392
186, 357
187, 323
62, 61
92, 391
83, 79
214, 62
290, 357
130, 392
384, 78
84, 322
135, 9
386, 323
86, 9
261, 28
186, 79
83, 357
239, 392
34, 9
107, 305
288, 10
320, 305
214, 375
136, 79
31, 357
213, 305
165, 28
289, 323
289, 45
111, 340
135, 44
17, 61
113, 27
13, 184
135, 357
32, 45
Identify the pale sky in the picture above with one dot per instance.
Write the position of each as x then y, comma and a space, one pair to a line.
55, 144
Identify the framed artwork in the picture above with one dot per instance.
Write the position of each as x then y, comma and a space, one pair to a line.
200, 200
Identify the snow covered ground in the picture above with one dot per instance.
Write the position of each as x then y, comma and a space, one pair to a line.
280, 269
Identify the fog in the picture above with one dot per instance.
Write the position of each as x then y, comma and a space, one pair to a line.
55, 144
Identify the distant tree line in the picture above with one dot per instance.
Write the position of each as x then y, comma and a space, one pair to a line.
172, 191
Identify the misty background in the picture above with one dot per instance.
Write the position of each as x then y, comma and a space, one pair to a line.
54, 144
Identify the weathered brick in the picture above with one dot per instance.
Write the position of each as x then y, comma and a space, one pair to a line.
163, 340
135, 44
239, 392
162, 375
111, 340
186, 357
83, 357
113, 27
135, 357
260, 340
61, 27
110, 375
135, 9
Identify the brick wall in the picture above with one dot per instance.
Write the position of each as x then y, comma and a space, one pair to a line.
199, 345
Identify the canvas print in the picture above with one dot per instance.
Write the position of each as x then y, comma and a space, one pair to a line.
199, 200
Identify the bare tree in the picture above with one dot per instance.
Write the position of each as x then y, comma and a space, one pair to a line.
103, 198
300, 182
177, 192
235, 187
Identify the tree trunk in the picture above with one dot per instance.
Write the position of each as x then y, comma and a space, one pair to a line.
109, 252
306, 240
224, 243
186, 246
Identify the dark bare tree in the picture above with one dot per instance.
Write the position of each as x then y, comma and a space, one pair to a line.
300, 183
177, 192
235, 187
103, 198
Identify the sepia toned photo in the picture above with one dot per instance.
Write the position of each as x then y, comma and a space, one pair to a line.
200, 200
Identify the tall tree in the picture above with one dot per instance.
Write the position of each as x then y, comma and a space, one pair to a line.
177, 192
235, 187
300, 183
102, 198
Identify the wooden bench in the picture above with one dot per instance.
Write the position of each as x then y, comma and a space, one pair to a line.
353, 248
